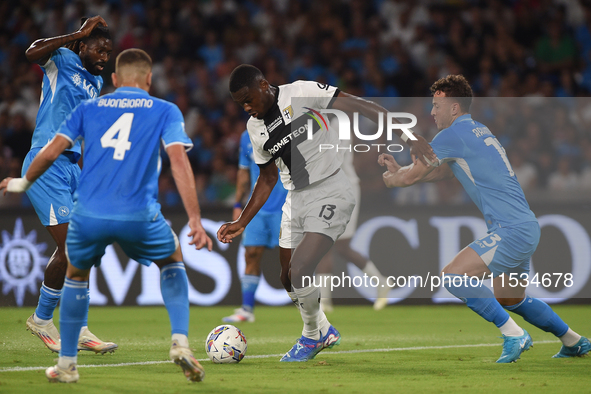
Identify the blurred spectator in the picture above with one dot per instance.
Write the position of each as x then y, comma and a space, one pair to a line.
526, 173
564, 178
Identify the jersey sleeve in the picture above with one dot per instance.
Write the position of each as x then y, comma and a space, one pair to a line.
244, 160
446, 146
322, 94
71, 128
59, 57
174, 129
259, 154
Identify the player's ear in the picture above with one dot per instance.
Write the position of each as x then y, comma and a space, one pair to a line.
114, 79
82, 48
149, 80
264, 84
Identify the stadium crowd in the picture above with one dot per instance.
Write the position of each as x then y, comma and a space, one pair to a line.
379, 48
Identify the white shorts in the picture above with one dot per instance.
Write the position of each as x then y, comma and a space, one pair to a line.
324, 207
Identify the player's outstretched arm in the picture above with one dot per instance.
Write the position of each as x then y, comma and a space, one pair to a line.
185, 183
242, 189
371, 110
40, 164
40, 51
397, 176
262, 189
439, 174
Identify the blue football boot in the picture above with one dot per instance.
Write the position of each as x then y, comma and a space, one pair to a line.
304, 349
580, 349
514, 346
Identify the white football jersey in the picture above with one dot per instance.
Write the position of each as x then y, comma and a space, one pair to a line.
282, 135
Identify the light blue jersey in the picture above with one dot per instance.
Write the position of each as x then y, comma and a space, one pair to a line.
480, 163
246, 161
122, 133
66, 83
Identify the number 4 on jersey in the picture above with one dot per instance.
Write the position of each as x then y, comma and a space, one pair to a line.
121, 144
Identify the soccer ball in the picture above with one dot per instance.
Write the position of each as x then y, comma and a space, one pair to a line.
225, 344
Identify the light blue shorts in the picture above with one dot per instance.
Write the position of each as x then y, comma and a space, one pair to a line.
142, 241
508, 250
52, 195
263, 230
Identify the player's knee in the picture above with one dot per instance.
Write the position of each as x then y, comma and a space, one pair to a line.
252, 256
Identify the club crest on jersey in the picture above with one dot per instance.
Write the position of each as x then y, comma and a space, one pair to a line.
288, 112
77, 79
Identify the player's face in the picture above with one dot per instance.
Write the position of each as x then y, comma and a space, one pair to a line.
254, 100
441, 111
95, 54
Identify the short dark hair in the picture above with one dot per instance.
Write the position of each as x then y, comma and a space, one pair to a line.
455, 86
244, 76
134, 56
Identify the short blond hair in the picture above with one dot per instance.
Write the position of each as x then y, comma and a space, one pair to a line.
133, 61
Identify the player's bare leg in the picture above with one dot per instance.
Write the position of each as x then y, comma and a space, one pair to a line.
541, 315
284, 259
249, 283
175, 293
40, 323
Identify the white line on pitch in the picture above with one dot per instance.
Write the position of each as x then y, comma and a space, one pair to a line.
395, 349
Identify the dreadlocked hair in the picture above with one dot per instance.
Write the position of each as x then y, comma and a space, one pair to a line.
99, 31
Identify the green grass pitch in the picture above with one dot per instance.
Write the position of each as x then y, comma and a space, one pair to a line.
401, 349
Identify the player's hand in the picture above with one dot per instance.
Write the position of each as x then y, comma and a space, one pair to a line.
421, 149
236, 214
15, 185
3, 185
199, 237
90, 24
388, 161
229, 231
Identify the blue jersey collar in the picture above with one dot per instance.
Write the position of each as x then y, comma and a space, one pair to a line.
462, 119
131, 90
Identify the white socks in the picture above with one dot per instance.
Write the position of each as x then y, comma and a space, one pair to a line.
511, 329
64, 362
39, 321
325, 289
294, 298
570, 339
309, 302
181, 339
